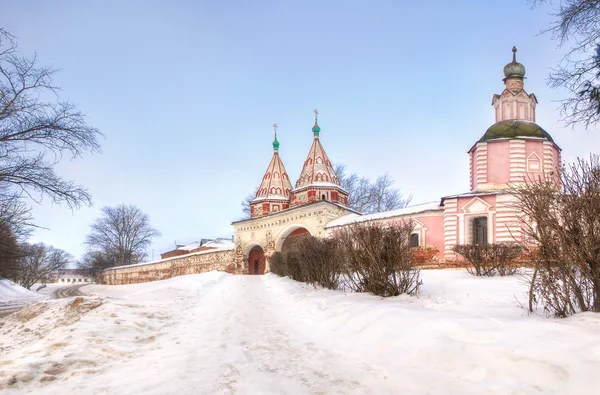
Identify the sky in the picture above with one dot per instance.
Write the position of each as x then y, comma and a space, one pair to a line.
186, 93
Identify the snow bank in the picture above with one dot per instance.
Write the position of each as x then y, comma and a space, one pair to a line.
13, 294
463, 335
216, 333
55, 346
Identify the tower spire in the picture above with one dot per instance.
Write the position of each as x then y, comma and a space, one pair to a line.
275, 142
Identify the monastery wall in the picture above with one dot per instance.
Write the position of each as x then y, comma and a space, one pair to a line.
199, 262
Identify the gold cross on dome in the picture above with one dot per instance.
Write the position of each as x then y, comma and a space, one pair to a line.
316, 114
275, 129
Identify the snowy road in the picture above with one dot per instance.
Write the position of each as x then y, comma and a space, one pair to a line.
221, 334
253, 350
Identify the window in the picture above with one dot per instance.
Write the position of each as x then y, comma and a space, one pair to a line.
533, 163
414, 240
480, 225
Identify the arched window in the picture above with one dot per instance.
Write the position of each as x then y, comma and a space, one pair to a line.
533, 163
414, 240
480, 226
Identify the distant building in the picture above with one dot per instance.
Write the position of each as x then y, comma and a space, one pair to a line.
74, 276
196, 246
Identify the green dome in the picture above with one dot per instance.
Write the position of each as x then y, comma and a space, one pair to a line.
512, 129
275, 144
514, 68
316, 129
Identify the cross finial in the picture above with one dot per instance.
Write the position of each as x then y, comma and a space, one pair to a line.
316, 115
514, 50
275, 130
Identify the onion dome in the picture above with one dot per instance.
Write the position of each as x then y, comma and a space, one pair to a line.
512, 129
316, 129
514, 69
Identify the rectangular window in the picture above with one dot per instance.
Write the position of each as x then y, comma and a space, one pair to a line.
480, 230
414, 240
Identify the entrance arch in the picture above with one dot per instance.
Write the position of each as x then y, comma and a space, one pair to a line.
292, 239
256, 261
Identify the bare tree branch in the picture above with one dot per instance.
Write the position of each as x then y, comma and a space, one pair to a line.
37, 131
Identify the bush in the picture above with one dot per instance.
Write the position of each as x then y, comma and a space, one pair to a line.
563, 231
278, 265
320, 261
378, 260
490, 259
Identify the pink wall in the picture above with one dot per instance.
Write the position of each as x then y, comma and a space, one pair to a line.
434, 236
498, 162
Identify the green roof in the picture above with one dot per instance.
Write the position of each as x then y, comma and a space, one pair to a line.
512, 129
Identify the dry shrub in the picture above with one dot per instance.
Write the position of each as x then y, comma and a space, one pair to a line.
490, 259
563, 227
320, 261
368, 257
277, 264
378, 260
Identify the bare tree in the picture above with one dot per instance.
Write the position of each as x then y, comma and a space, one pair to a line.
9, 252
385, 197
369, 197
96, 261
246, 204
40, 261
37, 129
577, 23
15, 214
123, 234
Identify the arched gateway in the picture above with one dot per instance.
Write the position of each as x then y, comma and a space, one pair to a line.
272, 232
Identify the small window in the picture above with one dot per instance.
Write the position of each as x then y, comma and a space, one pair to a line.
480, 225
414, 240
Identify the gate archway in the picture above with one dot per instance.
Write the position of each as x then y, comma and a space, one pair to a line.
292, 240
256, 261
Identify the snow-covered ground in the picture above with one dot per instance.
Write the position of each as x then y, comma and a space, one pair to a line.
13, 295
216, 333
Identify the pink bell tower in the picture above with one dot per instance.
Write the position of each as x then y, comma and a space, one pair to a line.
515, 149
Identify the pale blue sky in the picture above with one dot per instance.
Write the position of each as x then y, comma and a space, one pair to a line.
186, 93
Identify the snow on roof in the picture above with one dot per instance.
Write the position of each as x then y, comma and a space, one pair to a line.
321, 184
191, 246
270, 197
220, 245
473, 194
356, 218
